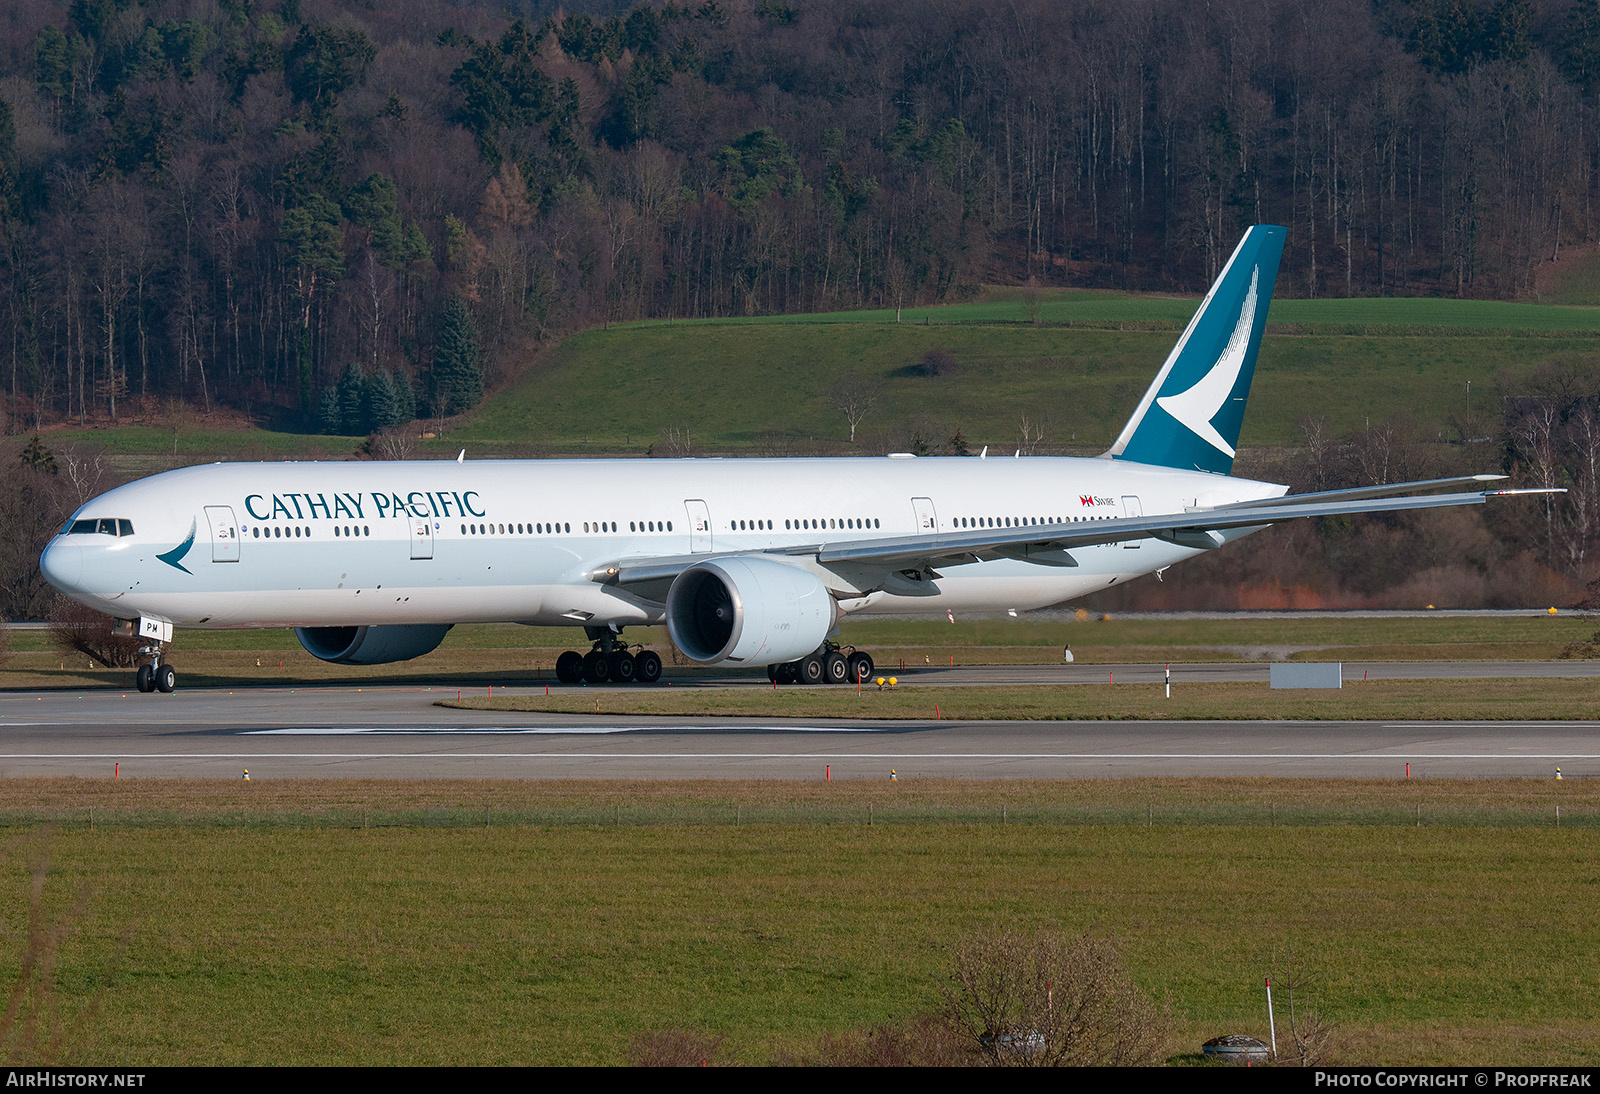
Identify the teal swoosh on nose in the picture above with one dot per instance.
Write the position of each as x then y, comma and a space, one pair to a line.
174, 557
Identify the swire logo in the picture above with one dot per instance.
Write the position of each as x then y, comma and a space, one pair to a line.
1091, 499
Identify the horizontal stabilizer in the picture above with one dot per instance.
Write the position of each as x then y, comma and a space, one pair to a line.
1366, 491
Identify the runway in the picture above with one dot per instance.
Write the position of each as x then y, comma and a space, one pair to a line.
398, 732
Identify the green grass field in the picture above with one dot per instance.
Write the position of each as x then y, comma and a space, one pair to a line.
205, 932
768, 385
1054, 307
769, 388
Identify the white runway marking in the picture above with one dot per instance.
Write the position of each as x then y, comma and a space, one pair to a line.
1493, 725
546, 731
1376, 757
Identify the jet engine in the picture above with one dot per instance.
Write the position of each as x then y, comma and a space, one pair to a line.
749, 611
371, 645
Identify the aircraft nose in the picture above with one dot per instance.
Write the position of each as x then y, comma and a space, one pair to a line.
62, 566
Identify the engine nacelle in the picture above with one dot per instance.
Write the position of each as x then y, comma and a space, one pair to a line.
749, 611
371, 645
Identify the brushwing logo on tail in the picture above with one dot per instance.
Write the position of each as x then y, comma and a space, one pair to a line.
1196, 407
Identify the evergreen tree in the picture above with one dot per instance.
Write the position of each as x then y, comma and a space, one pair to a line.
353, 400
38, 457
456, 383
328, 417
382, 403
405, 398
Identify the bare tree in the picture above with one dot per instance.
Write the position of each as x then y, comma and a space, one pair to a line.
76, 628
82, 473
393, 444
1031, 432
1050, 1000
1310, 1035
1534, 438
853, 397
675, 439
1317, 454
1583, 499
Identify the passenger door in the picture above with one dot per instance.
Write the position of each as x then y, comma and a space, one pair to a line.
699, 526
224, 533
421, 537
1131, 508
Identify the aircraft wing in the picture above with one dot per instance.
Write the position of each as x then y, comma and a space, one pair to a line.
1052, 544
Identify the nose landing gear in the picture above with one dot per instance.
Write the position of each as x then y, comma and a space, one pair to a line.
155, 676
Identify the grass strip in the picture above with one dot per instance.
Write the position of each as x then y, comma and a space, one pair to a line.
552, 944
1389, 700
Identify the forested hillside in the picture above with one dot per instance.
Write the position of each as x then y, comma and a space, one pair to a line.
344, 213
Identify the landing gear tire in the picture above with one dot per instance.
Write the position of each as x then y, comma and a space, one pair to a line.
835, 669
808, 670
165, 678
569, 667
596, 667
772, 673
647, 667
860, 667
788, 673
623, 667
144, 679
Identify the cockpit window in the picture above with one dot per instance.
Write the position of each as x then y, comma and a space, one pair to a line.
105, 526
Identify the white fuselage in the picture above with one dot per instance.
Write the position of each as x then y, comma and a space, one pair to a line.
338, 544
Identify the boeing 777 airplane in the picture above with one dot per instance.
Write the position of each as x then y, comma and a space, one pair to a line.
748, 562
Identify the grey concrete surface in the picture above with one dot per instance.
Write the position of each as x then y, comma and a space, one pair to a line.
398, 732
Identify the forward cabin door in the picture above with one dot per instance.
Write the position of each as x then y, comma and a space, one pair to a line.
927, 519
421, 536
224, 533
1131, 508
699, 526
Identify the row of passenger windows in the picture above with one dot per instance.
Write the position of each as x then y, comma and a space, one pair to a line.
539, 528
1006, 522
831, 522
513, 529
105, 526
278, 531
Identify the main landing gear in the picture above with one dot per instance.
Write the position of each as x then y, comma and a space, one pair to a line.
609, 661
153, 675
828, 665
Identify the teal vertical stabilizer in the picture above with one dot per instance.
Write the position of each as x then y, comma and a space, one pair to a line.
1191, 415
